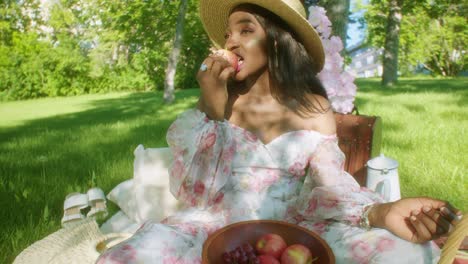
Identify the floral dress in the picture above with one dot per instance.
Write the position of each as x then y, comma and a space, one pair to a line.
225, 174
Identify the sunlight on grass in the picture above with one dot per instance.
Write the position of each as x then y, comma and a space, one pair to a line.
57, 148
19, 112
424, 128
51, 147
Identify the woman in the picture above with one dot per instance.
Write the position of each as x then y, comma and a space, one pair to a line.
261, 145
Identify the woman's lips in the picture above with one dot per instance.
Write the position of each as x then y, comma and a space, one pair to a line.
240, 65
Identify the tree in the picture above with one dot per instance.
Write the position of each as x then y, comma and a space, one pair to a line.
433, 34
174, 56
86, 46
392, 42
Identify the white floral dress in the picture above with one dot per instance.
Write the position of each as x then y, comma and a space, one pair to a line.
224, 174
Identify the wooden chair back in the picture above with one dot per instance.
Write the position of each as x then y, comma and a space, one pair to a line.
359, 137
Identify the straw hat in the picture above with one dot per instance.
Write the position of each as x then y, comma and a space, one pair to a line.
214, 15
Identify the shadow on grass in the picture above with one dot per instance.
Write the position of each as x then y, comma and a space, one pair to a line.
45, 159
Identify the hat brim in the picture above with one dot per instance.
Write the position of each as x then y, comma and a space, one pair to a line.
214, 15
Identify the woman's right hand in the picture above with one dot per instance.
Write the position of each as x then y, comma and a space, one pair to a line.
213, 84
417, 219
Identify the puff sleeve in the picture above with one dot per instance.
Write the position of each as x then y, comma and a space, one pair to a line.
329, 192
202, 151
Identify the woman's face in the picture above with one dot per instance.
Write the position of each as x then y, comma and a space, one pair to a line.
246, 38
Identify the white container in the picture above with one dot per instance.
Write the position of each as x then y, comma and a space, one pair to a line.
382, 177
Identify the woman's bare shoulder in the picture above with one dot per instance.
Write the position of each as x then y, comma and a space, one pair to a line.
322, 118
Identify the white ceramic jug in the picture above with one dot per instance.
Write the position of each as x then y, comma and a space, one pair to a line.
382, 177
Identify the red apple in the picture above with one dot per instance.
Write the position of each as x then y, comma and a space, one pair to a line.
267, 259
271, 244
296, 254
230, 56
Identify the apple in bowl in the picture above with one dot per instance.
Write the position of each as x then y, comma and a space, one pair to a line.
271, 244
296, 254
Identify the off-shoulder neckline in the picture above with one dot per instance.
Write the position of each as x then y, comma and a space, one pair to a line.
285, 134
288, 133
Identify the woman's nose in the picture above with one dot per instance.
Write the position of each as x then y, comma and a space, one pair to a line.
231, 43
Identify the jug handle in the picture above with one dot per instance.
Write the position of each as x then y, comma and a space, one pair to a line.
383, 187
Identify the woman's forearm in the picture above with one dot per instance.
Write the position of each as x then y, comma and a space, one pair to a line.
377, 215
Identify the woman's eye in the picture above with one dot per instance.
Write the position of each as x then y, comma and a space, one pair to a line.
226, 36
245, 31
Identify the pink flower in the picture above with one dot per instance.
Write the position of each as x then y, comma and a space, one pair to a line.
337, 82
297, 169
250, 136
188, 229
120, 254
312, 206
171, 260
273, 174
208, 141
199, 187
385, 244
229, 152
360, 251
335, 45
218, 198
178, 168
329, 203
319, 227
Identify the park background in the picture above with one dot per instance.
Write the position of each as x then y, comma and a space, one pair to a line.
83, 82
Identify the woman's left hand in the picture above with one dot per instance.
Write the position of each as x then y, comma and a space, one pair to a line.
415, 219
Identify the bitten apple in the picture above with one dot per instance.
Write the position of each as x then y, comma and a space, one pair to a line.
296, 254
267, 259
230, 56
271, 244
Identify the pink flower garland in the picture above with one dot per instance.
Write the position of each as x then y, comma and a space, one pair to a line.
338, 83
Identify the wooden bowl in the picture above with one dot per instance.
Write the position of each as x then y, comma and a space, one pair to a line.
234, 235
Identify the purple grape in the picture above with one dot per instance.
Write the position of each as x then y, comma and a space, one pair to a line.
240, 250
247, 248
255, 261
227, 258
235, 255
244, 259
251, 255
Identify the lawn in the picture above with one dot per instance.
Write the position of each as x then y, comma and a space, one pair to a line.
51, 147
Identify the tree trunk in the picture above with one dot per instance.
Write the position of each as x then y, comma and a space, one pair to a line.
392, 42
174, 55
338, 13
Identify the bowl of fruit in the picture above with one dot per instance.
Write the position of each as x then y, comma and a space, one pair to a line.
266, 242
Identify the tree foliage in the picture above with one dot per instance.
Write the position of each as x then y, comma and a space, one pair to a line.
69, 47
433, 34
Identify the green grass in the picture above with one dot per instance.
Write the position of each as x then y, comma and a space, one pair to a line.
51, 147
425, 124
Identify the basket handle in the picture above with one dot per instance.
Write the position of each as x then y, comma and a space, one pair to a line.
111, 240
449, 251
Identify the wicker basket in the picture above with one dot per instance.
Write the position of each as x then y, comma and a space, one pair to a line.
450, 249
81, 243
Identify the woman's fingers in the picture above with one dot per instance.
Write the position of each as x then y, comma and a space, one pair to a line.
451, 214
227, 73
434, 222
422, 233
218, 66
208, 62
